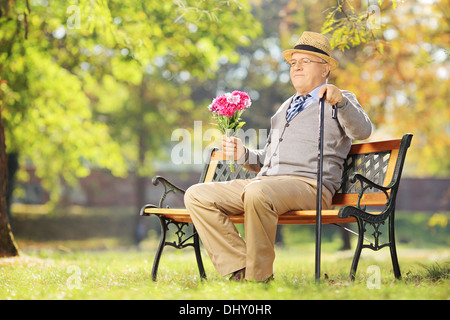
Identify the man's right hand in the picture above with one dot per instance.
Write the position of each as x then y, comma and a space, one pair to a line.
232, 147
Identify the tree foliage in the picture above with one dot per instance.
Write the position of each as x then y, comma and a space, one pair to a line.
394, 56
81, 83
405, 71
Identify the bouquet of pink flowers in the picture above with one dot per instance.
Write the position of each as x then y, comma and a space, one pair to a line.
227, 110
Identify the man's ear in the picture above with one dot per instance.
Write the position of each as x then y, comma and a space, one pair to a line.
327, 71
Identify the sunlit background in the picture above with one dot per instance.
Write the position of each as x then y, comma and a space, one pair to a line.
91, 93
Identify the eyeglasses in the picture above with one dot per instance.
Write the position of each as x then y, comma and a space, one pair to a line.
302, 62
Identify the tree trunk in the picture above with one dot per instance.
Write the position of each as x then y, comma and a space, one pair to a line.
7, 245
141, 225
140, 181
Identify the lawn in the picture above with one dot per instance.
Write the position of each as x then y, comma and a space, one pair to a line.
125, 274
71, 257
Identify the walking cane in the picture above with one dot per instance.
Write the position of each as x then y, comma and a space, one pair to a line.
319, 184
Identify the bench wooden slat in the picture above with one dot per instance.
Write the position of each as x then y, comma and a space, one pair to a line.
391, 167
376, 146
350, 199
293, 217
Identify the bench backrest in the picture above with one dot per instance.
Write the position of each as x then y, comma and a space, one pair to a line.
380, 161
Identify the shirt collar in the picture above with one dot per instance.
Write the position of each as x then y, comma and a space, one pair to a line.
314, 93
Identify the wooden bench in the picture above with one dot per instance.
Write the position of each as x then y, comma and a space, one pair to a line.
371, 177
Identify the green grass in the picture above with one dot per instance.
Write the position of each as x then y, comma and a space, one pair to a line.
52, 273
77, 255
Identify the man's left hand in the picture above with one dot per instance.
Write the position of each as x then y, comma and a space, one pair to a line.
332, 94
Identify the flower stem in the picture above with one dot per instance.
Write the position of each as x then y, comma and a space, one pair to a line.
230, 133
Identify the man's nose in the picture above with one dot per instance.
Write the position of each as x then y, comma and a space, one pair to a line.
298, 65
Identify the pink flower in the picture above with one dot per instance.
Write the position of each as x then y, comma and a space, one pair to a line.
233, 97
244, 100
230, 105
218, 104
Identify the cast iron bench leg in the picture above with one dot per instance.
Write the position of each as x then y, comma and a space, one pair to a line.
160, 249
198, 254
358, 249
393, 248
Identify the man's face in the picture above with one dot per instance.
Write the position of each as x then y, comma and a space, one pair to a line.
306, 77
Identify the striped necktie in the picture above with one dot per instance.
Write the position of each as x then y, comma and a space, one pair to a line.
296, 106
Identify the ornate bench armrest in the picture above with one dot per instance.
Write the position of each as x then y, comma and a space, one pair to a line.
370, 183
168, 187
360, 211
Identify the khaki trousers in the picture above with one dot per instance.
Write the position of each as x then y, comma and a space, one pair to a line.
262, 199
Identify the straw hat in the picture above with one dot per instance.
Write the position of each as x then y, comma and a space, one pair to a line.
313, 43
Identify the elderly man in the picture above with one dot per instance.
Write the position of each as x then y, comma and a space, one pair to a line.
287, 167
